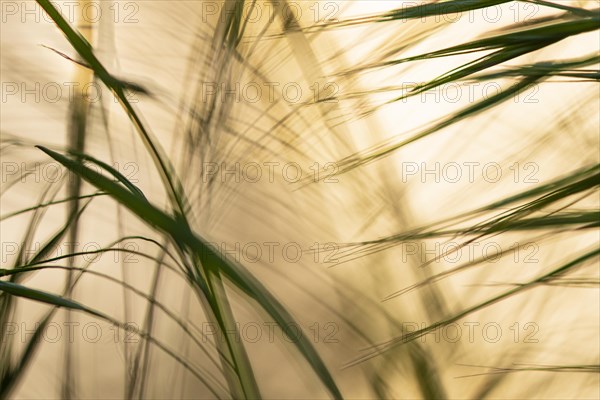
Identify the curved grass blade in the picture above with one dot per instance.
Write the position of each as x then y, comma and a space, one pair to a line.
558, 272
182, 236
58, 301
16, 289
85, 51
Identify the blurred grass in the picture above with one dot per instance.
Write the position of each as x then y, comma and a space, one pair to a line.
565, 203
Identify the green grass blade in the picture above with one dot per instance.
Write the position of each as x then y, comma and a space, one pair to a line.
182, 236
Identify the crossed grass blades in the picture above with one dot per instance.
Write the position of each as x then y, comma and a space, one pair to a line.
551, 208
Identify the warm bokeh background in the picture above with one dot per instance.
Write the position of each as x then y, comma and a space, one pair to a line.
174, 50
